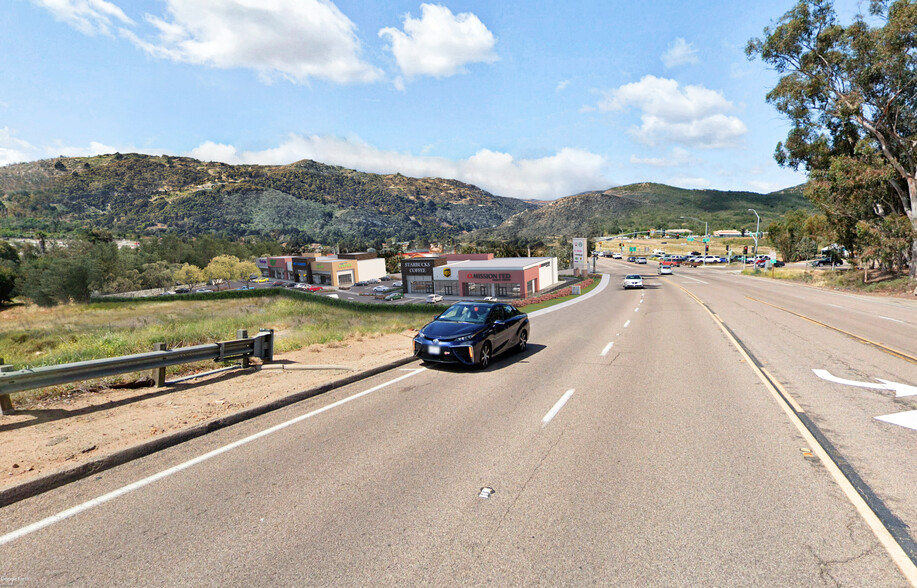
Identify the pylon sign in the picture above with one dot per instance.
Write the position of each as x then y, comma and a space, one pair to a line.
579, 253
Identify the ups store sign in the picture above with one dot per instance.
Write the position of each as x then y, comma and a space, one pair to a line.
420, 267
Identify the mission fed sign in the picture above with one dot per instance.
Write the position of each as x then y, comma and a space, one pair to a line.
490, 277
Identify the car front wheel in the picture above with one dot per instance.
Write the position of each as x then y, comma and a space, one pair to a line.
484, 359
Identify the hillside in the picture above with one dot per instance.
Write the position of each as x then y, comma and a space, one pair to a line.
642, 206
139, 194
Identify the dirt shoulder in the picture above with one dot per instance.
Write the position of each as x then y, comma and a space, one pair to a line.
54, 435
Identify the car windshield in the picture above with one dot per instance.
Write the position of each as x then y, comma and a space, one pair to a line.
632, 277
465, 313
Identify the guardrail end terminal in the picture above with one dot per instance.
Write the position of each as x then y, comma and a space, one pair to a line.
6, 404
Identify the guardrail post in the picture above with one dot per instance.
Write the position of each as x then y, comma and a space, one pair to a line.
243, 334
6, 403
267, 352
159, 374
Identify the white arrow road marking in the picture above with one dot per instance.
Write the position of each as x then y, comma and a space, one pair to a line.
899, 389
903, 419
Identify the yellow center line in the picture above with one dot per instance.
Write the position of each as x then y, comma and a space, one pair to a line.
880, 346
790, 406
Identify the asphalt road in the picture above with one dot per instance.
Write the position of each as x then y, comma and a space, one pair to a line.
633, 444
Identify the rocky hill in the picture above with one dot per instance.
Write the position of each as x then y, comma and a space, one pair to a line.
135, 194
643, 206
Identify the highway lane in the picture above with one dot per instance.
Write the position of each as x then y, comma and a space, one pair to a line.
884, 455
664, 466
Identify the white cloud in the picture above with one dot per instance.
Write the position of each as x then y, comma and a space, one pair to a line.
690, 182
440, 44
678, 157
680, 52
95, 148
562, 85
692, 115
295, 39
87, 16
569, 171
13, 150
764, 187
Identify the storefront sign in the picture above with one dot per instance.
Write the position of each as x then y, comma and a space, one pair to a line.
493, 277
579, 253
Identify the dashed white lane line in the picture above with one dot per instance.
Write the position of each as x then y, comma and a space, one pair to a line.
12, 536
627, 324
607, 349
888, 318
556, 408
694, 279
637, 309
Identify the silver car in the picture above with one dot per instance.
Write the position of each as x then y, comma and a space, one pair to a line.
633, 281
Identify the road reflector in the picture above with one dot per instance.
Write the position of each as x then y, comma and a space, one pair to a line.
486, 492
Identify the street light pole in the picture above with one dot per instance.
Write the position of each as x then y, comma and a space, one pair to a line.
757, 227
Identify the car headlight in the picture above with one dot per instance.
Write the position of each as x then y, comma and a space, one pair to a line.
466, 338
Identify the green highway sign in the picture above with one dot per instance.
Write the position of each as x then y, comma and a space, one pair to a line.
690, 238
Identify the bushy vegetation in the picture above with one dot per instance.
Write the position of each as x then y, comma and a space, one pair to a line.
50, 273
33, 336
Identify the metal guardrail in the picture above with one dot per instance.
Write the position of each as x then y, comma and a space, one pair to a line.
260, 346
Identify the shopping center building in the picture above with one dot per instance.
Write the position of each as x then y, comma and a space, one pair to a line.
343, 269
479, 275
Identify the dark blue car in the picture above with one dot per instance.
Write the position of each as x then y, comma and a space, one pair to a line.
473, 333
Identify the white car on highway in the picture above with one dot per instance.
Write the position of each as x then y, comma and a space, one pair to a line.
633, 281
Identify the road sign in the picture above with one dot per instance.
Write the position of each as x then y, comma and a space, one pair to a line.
690, 238
706, 239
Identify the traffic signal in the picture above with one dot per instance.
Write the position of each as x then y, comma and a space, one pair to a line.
706, 248
745, 250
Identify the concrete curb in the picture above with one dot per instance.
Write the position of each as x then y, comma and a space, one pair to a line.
105, 462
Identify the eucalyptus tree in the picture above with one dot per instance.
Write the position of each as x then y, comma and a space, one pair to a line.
850, 94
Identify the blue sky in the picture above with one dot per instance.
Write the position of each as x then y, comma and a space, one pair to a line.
525, 99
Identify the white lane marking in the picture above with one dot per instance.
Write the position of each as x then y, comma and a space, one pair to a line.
12, 536
556, 408
896, 387
695, 279
888, 318
637, 309
836, 305
602, 285
607, 348
902, 419
627, 324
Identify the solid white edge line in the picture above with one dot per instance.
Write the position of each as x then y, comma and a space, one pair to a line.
607, 349
12, 536
603, 283
557, 406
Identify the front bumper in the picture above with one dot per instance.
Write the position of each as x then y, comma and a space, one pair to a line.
444, 351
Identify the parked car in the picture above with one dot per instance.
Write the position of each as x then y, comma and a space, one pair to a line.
261, 280
633, 281
182, 290
245, 288
277, 283
473, 333
380, 289
373, 281
361, 283
434, 298
824, 261
665, 270
314, 288
394, 296
202, 290
397, 284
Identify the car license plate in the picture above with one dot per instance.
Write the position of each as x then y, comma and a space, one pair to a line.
433, 349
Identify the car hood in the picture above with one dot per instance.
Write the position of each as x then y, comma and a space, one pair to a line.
449, 329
